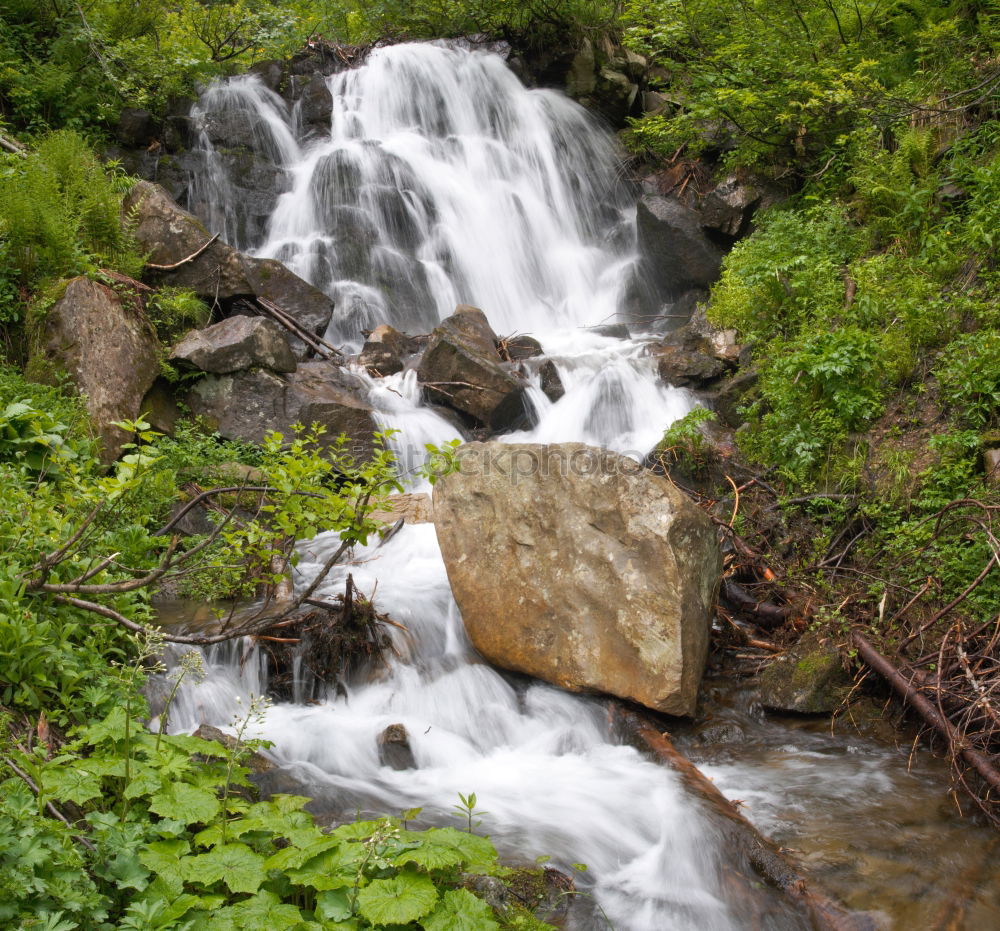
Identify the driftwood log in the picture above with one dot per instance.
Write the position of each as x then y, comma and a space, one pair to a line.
768, 861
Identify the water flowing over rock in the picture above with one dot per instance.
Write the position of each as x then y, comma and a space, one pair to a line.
430, 158
109, 350
235, 344
575, 565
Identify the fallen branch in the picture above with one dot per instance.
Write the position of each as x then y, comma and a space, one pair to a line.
185, 260
288, 322
769, 614
773, 866
927, 711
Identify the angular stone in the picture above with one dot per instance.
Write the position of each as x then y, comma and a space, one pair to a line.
234, 344
808, 679
414, 508
683, 368
729, 206
461, 367
249, 405
109, 350
582, 77
674, 249
394, 748
171, 234
575, 565
551, 383
385, 350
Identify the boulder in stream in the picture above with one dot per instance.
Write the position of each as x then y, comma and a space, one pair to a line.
462, 369
394, 748
808, 679
675, 252
385, 350
219, 274
576, 565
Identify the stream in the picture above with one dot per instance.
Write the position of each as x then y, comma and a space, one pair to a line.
442, 180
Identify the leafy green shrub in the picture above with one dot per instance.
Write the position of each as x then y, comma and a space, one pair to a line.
175, 847
684, 442
816, 394
789, 273
60, 213
969, 374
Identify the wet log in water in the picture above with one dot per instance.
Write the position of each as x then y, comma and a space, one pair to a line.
768, 861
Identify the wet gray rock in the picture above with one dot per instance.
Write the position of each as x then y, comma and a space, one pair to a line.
386, 350
394, 748
675, 252
729, 207
462, 369
110, 352
688, 369
136, 128
611, 330
578, 566
249, 405
314, 100
235, 344
581, 80
551, 383
519, 347
727, 399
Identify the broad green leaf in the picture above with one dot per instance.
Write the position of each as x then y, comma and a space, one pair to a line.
164, 858
239, 867
460, 910
294, 857
263, 912
335, 869
71, 784
477, 853
398, 900
334, 905
186, 803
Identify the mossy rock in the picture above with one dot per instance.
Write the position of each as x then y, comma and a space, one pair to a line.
809, 679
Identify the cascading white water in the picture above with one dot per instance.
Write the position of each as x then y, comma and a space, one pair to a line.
443, 180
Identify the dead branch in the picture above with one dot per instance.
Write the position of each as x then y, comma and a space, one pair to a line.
931, 714
188, 258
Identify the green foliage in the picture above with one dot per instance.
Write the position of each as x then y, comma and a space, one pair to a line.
60, 214
794, 79
174, 311
969, 373
173, 847
684, 440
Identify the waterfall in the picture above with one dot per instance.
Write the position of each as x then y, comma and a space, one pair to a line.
443, 180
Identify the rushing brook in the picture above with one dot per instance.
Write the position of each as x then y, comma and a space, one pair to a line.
442, 180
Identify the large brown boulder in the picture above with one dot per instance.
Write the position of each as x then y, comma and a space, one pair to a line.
171, 235
109, 350
575, 565
251, 404
462, 369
